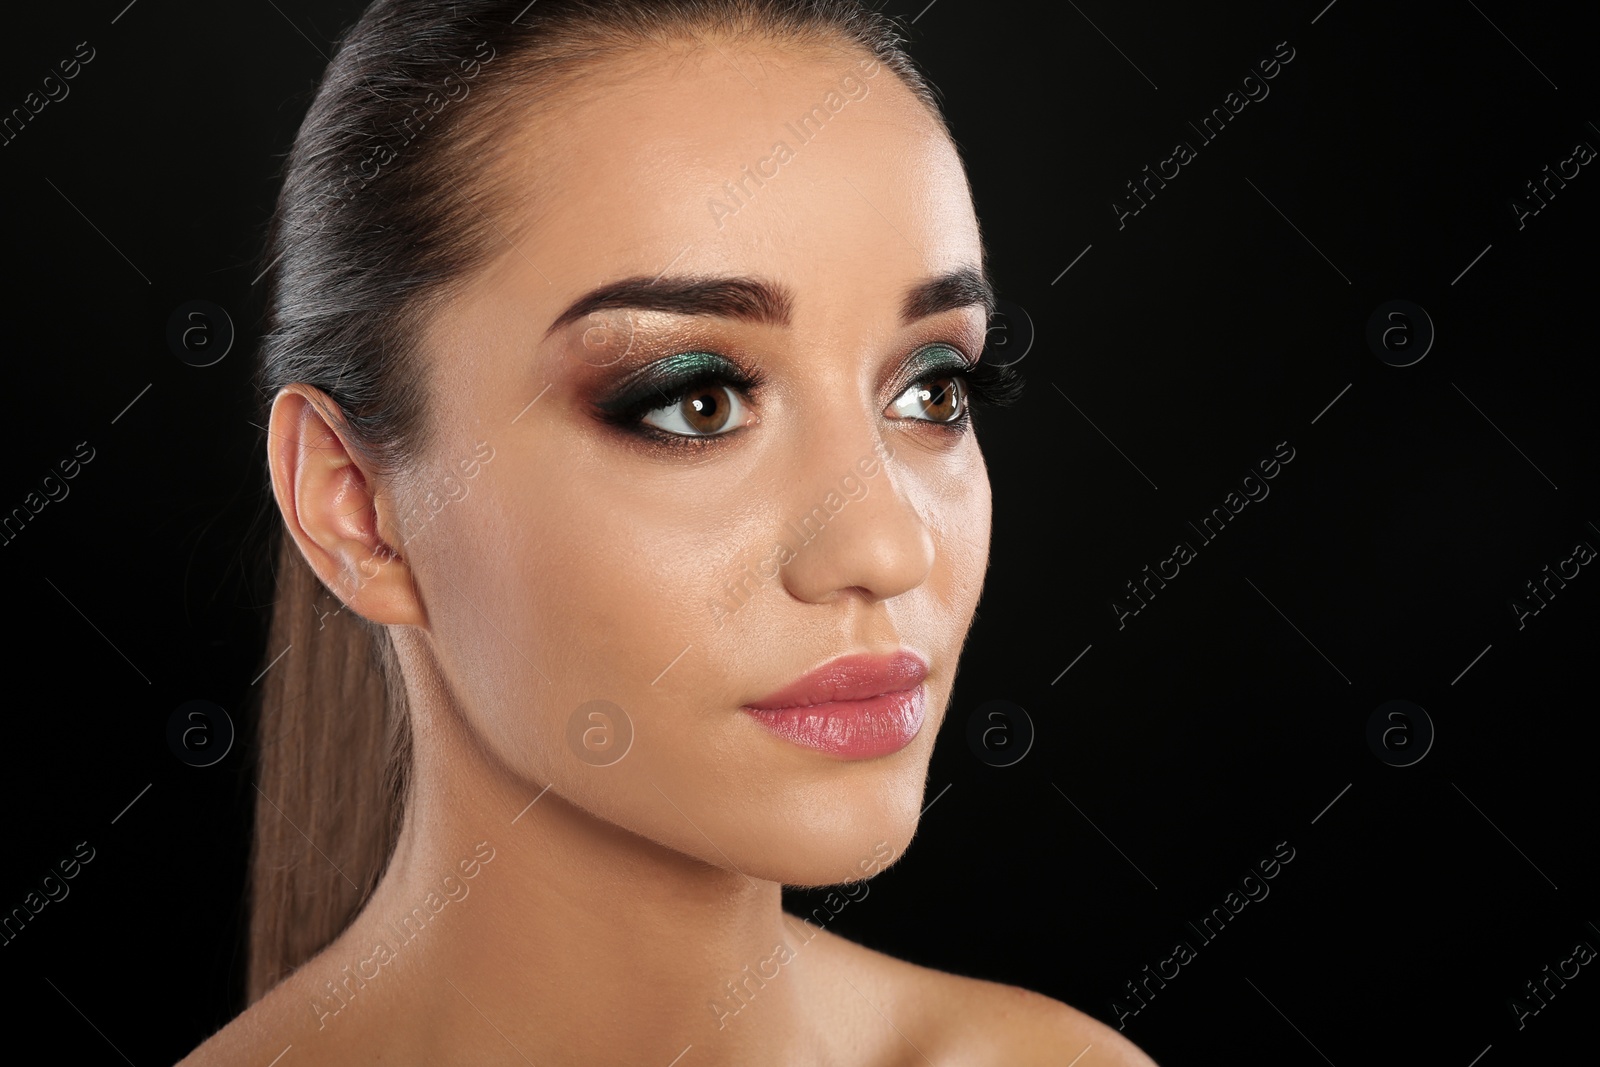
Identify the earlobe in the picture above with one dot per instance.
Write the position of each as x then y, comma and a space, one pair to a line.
326, 497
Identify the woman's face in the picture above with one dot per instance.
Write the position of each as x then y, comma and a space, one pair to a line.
590, 539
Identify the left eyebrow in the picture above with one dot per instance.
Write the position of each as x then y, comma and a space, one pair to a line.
760, 301
948, 292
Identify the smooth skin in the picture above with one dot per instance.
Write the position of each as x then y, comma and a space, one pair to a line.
582, 563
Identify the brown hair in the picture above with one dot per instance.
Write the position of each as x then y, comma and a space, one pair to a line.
383, 212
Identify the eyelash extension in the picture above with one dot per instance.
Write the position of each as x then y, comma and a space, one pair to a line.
988, 384
991, 384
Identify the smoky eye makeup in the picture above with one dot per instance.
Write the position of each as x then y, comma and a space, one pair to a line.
937, 360
666, 380
699, 375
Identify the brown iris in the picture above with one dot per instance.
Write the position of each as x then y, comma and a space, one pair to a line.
706, 410
941, 399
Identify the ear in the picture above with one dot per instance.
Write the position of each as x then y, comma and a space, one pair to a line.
328, 502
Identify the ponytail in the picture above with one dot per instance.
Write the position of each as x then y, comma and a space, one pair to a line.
333, 745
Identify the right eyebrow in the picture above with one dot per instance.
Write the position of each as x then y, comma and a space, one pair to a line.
748, 299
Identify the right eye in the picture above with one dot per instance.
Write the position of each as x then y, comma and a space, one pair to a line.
709, 409
687, 399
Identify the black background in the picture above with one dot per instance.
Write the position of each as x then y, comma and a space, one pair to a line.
1227, 716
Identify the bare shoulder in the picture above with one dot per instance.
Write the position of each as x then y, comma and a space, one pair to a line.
971, 1021
273, 1025
249, 1037
245, 1037
1010, 1025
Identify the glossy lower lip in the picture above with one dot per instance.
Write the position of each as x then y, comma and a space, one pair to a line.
854, 707
851, 729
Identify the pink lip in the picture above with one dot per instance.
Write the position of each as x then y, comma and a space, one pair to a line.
854, 707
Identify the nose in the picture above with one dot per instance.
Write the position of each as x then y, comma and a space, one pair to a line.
854, 523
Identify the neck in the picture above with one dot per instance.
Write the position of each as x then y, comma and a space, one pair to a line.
574, 938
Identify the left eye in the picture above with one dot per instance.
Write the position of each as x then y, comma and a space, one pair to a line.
701, 411
938, 399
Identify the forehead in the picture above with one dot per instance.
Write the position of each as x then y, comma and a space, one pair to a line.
816, 165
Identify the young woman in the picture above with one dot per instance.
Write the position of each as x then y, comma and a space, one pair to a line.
619, 358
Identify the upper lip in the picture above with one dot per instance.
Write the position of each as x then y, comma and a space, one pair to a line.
853, 677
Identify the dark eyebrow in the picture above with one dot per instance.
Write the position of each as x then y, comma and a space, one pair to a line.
948, 292
758, 301
749, 299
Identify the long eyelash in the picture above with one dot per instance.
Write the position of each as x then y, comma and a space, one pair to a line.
993, 384
989, 384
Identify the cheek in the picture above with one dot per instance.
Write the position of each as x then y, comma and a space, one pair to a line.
960, 515
558, 592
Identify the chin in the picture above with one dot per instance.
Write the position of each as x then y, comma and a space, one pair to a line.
836, 832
